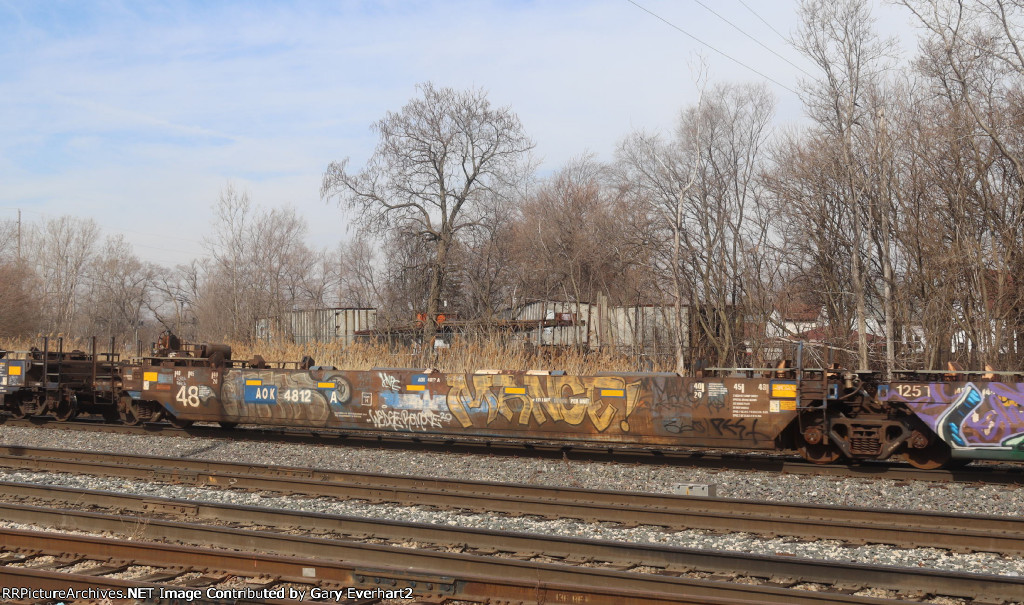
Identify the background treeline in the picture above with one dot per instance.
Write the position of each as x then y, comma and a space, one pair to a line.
896, 209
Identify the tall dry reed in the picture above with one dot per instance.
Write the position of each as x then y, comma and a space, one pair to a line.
465, 354
462, 355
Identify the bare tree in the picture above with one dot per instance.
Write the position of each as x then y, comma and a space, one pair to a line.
972, 58
175, 295
17, 286
61, 250
358, 274
565, 235
703, 189
838, 36
483, 264
119, 291
231, 272
438, 159
258, 268
661, 175
977, 45
18, 304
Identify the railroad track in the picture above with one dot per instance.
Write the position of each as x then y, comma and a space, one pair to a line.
912, 529
40, 566
492, 565
583, 451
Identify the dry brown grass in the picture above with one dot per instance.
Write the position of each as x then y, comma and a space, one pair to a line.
70, 344
464, 355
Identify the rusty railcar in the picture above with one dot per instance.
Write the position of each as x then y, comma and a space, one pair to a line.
929, 419
60, 383
823, 414
656, 409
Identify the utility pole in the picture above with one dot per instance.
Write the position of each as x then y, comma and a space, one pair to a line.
19, 233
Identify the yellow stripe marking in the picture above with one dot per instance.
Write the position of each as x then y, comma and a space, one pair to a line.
415, 387
515, 390
150, 376
253, 383
613, 393
14, 370
325, 385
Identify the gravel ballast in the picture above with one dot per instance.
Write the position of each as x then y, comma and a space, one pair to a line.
880, 493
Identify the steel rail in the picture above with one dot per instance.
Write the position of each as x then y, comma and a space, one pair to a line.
766, 461
781, 570
430, 573
812, 521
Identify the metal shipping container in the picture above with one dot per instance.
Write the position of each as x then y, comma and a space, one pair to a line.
317, 325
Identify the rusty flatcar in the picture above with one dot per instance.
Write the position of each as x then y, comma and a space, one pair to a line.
58, 383
825, 414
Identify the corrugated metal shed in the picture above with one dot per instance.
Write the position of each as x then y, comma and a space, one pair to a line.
649, 329
581, 334
643, 328
317, 325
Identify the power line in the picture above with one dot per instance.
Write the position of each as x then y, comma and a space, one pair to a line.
698, 40
759, 43
784, 39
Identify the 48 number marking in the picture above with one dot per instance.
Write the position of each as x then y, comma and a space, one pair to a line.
188, 396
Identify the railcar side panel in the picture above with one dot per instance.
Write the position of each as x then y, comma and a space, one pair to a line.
616, 408
283, 397
978, 419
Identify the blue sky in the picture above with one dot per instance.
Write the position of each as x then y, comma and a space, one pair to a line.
138, 113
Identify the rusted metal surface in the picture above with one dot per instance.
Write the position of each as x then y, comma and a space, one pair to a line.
456, 569
58, 382
903, 528
824, 414
616, 408
176, 560
642, 328
53, 582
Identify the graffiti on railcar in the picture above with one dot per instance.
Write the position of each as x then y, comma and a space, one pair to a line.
389, 382
542, 400
418, 409
674, 401
968, 416
299, 397
408, 420
725, 409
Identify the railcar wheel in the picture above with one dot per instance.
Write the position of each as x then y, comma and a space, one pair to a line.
814, 448
65, 411
21, 410
936, 455
131, 417
227, 426
130, 412
819, 453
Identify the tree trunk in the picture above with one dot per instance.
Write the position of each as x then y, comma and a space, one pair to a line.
434, 299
